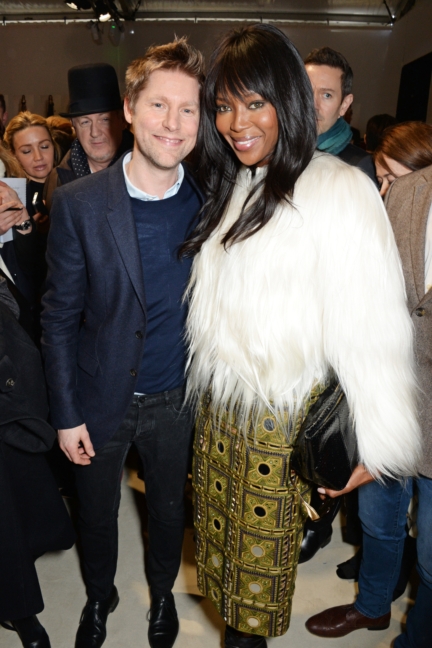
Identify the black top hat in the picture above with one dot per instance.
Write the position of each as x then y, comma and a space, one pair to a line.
93, 88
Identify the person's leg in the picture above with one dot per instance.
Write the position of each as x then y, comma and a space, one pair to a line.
353, 532
163, 440
30, 631
382, 510
98, 488
419, 628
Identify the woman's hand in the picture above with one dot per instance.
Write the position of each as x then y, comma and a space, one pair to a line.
42, 222
360, 476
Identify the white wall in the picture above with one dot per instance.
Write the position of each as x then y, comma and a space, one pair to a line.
367, 53
35, 58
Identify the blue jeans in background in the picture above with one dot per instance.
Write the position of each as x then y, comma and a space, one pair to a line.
383, 510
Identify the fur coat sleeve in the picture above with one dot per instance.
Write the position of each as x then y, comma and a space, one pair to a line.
367, 331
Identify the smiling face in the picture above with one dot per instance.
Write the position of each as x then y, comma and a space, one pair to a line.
326, 84
250, 126
386, 177
34, 150
165, 119
100, 136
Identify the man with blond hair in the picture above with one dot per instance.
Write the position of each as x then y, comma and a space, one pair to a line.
113, 333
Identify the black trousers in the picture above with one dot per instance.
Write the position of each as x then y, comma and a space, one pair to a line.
161, 430
33, 520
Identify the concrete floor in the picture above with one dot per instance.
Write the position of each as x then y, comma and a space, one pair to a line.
317, 587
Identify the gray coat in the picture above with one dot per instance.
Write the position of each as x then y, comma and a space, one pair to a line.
408, 203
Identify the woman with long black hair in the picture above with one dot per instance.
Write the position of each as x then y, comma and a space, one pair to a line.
296, 275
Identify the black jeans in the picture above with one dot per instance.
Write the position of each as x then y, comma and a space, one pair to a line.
161, 430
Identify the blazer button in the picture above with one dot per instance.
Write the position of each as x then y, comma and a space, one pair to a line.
420, 312
10, 382
133, 372
139, 335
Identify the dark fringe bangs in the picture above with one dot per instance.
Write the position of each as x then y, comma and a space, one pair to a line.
239, 76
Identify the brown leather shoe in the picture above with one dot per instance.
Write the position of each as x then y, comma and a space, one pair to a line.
343, 619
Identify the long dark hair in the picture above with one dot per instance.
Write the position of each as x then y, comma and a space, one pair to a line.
259, 59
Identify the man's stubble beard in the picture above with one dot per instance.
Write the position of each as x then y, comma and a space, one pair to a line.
151, 159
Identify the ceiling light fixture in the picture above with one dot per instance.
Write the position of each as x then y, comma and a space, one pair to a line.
390, 13
96, 30
102, 10
116, 33
105, 10
122, 9
79, 4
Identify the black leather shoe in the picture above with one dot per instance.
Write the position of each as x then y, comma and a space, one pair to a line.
30, 631
236, 639
313, 540
164, 623
317, 534
92, 627
350, 569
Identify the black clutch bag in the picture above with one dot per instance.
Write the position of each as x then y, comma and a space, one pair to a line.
325, 452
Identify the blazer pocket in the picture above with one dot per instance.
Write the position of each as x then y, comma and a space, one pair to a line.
8, 374
87, 363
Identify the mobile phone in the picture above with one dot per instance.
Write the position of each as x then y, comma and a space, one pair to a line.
39, 205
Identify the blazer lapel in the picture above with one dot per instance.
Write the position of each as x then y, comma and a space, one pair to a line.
122, 223
420, 211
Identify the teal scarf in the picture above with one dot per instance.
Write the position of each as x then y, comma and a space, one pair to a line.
336, 138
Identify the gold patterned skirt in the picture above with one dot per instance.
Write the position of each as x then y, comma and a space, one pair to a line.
249, 517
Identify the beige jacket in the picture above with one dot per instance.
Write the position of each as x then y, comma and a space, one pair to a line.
408, 203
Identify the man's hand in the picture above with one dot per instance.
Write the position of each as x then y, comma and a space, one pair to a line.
75, 443
7, 193
360, 476
12, 211
9, 218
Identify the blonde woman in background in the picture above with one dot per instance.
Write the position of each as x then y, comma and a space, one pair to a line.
28, 137
29, 140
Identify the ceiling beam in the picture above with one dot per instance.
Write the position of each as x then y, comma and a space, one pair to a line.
203, 16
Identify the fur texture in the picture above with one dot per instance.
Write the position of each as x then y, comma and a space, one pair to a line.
319, 287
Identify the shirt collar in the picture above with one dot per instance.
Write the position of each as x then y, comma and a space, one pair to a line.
134, 192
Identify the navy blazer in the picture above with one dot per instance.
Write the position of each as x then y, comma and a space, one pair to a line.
94, 318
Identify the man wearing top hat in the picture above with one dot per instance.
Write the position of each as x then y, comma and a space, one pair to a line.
113, 338
95, 109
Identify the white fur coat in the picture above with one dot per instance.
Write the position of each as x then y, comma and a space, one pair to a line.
319, 286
